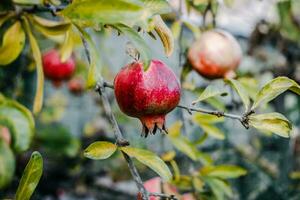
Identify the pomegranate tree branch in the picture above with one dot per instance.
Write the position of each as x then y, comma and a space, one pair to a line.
242, 118
120, 140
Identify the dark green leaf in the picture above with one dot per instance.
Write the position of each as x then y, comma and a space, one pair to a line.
7, 164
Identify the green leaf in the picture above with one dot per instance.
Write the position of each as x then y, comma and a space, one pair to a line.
238, 87
165, 34
100, 150
271, 122
29, 2
127, 12
31, 177
91, 12
95, 65
219, 188
274, 88
289, 27
7, 164
201, 118
210, 91
12, 43
20, 122
149, 159
157, 6
138, 42
223, 171
49, 27
183, 145
39, 94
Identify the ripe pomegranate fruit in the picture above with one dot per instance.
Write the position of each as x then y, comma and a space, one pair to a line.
216, 54
56, 70
148, 95
76, 85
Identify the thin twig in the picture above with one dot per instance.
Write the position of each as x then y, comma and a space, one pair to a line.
243, 119
121, 141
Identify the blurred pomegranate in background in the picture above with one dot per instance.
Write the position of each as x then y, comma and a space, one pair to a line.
76, 85
148, 95
5, 135
216, 54
55, 69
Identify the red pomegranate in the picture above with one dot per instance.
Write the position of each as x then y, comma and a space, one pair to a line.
216, 54
56, 70
148, 95
76, 85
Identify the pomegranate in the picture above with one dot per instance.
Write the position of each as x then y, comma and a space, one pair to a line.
154, 185
216, 54
5, 135
76, 85
56, 70
148, 95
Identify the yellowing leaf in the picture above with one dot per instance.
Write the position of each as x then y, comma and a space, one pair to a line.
100, 150
164, 34
149, 159
39, 94
67, 47
12, 43
201, 118
31, 177
238, 87
168, 156
272, 122
49, 27
209, 92
212, 131
174, 129
274, 88
223, 171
